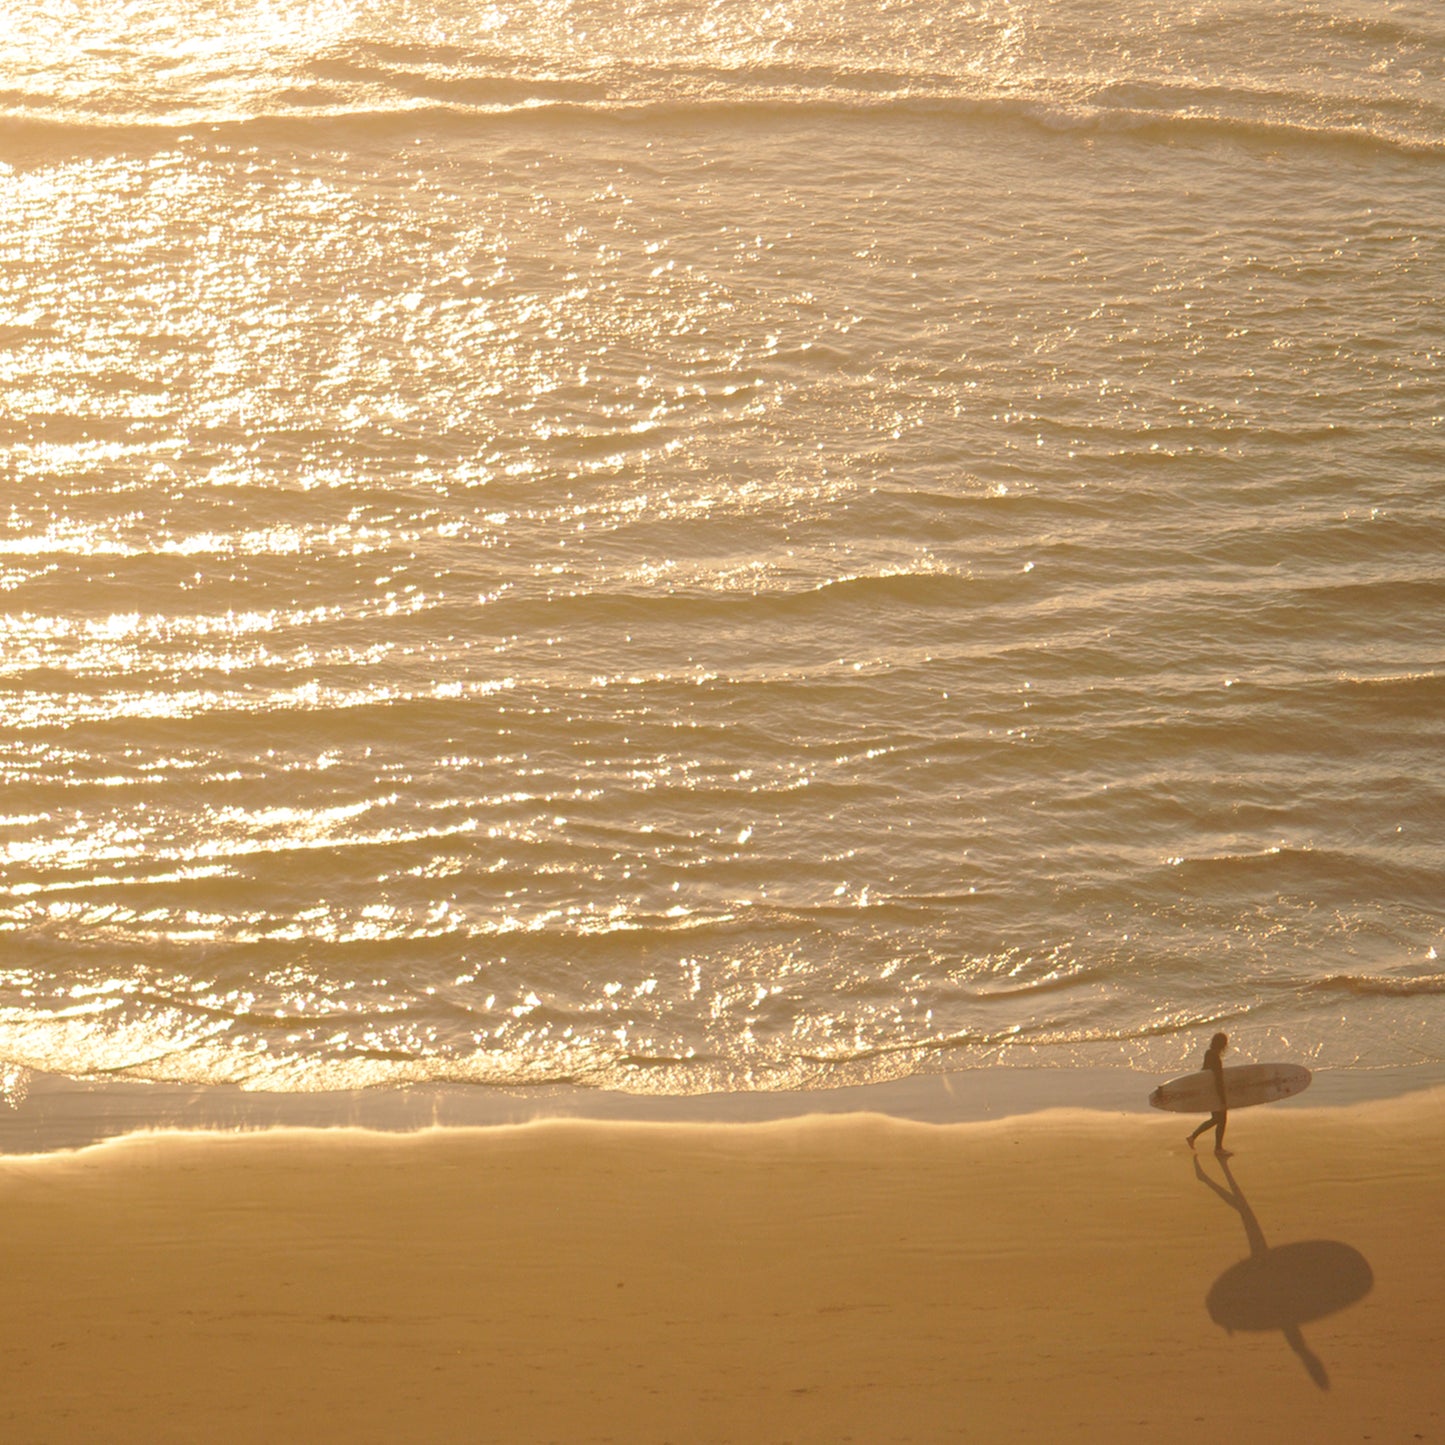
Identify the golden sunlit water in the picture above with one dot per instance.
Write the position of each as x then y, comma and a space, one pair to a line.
717, 546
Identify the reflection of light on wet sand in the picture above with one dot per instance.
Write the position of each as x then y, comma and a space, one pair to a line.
1286, 1286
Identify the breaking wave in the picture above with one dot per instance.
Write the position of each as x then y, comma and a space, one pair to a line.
302, 117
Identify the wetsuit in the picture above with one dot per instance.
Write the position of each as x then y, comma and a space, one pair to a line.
1214, 1064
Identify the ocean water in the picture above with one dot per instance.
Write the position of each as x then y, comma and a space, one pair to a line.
719, 546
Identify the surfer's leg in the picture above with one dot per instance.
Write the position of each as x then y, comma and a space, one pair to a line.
1219, 1121
1205, 1125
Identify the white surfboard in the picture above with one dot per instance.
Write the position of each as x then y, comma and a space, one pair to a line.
1245, 1084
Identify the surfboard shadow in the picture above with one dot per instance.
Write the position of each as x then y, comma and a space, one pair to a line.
1283, 1287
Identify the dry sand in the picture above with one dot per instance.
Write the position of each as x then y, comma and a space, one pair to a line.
1053, 1277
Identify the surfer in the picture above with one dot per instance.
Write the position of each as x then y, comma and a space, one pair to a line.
1214, 1064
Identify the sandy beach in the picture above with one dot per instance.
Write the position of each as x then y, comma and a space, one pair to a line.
1065, 1275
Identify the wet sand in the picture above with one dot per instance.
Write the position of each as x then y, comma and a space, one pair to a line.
1054, 1276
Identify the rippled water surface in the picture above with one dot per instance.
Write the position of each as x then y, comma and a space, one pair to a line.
700, 546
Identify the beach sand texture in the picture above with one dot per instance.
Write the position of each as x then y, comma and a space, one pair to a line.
1059, 1276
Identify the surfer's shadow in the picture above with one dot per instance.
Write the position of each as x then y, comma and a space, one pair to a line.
1283, 1287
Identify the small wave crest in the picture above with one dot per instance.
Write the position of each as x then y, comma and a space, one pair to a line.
1381, 985
324, 114
1303, 863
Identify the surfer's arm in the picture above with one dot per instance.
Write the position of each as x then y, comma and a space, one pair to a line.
1217, 1069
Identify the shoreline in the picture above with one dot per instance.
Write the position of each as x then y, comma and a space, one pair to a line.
1059, 1275
50, 1112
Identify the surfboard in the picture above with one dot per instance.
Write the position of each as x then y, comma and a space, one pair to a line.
1245, 1084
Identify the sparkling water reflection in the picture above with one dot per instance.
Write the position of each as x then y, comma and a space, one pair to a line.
780, 549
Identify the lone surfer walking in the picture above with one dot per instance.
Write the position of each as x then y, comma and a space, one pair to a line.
1214, 1063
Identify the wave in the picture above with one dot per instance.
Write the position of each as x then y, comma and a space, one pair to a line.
1380, 985
1119, 110
902, 588
1287, 871
1282, 72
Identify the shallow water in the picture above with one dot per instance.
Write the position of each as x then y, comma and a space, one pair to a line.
713, 547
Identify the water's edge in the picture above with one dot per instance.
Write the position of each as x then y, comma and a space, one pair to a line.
54, 1113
